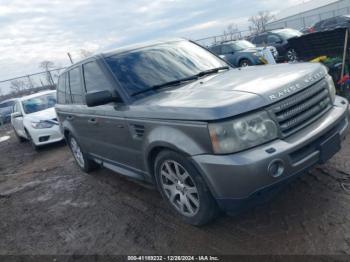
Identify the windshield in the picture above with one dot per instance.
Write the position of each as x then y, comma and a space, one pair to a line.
242, 45
39, 103
156, 65
288, 33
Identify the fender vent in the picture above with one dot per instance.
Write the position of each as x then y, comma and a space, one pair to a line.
138, 131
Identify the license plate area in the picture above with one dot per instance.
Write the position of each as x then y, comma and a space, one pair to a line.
329, 148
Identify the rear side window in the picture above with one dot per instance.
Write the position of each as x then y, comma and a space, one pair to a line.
76, 86
95, 79
61, 90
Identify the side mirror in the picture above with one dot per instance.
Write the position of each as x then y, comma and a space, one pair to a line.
99, 98
16, 114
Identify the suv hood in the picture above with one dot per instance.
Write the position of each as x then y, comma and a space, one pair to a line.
47, 114
228, 93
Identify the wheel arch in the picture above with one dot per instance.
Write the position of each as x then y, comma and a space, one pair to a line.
154, 150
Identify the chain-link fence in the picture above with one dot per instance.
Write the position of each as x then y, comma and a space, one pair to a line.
211, 40
28, 84
301, 21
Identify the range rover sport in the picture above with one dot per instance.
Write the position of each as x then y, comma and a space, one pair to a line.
208, 136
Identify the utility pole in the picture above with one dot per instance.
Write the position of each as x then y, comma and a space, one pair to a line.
70, 58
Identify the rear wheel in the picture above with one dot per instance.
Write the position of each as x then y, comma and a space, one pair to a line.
84, 162
245, 63
184, 189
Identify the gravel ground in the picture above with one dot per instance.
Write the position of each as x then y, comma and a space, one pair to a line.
48, 206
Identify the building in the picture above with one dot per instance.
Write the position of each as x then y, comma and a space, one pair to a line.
306, 14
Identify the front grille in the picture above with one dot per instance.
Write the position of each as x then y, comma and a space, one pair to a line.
301, 109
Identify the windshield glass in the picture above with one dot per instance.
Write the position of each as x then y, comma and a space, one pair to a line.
242, 45
156, 65
288, 33
39, 103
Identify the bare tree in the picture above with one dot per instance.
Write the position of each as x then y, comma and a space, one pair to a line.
231, 33
18, 86
85, 53
47, 66
259, 21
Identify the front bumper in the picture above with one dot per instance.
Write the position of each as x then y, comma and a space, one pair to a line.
243, 175
46, 136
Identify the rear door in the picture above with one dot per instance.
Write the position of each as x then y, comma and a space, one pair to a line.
71, 100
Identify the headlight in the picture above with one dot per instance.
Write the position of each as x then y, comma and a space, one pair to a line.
331, 87
42, 124
243, 133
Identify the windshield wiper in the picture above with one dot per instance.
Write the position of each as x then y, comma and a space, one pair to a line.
212, 71
183, 80
167, 84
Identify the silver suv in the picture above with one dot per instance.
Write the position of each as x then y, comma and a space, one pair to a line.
208, 136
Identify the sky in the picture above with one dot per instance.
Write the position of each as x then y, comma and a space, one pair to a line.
35, 30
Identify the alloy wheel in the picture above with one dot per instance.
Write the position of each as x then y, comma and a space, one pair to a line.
179, 188
291, 55
78, 155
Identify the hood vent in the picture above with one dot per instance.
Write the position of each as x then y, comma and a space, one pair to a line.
138, 131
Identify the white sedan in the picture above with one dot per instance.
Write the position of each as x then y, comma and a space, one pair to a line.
35, 119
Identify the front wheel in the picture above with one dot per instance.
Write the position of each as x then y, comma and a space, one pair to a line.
292, 55
19, 138
245, 63
184, 189
31, 141
81, 158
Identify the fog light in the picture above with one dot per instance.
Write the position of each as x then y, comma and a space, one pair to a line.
276, 168
44, 138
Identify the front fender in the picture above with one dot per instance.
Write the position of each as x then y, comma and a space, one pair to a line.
188, 140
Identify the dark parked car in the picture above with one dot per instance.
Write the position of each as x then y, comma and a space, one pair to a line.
241, 53
206, 135
6, 109
279, 39
331, 24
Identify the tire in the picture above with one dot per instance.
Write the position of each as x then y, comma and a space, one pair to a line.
19, 138
184, 189
245, 63
291, 55
33, 145
81, 158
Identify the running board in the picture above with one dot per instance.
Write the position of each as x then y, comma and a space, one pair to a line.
120, 170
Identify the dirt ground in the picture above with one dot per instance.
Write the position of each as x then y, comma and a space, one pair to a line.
48, 206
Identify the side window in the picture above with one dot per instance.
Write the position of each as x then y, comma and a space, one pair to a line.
61, 89
75, 86
95, 79
272, 39
258, 40
227, 49
216, 50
